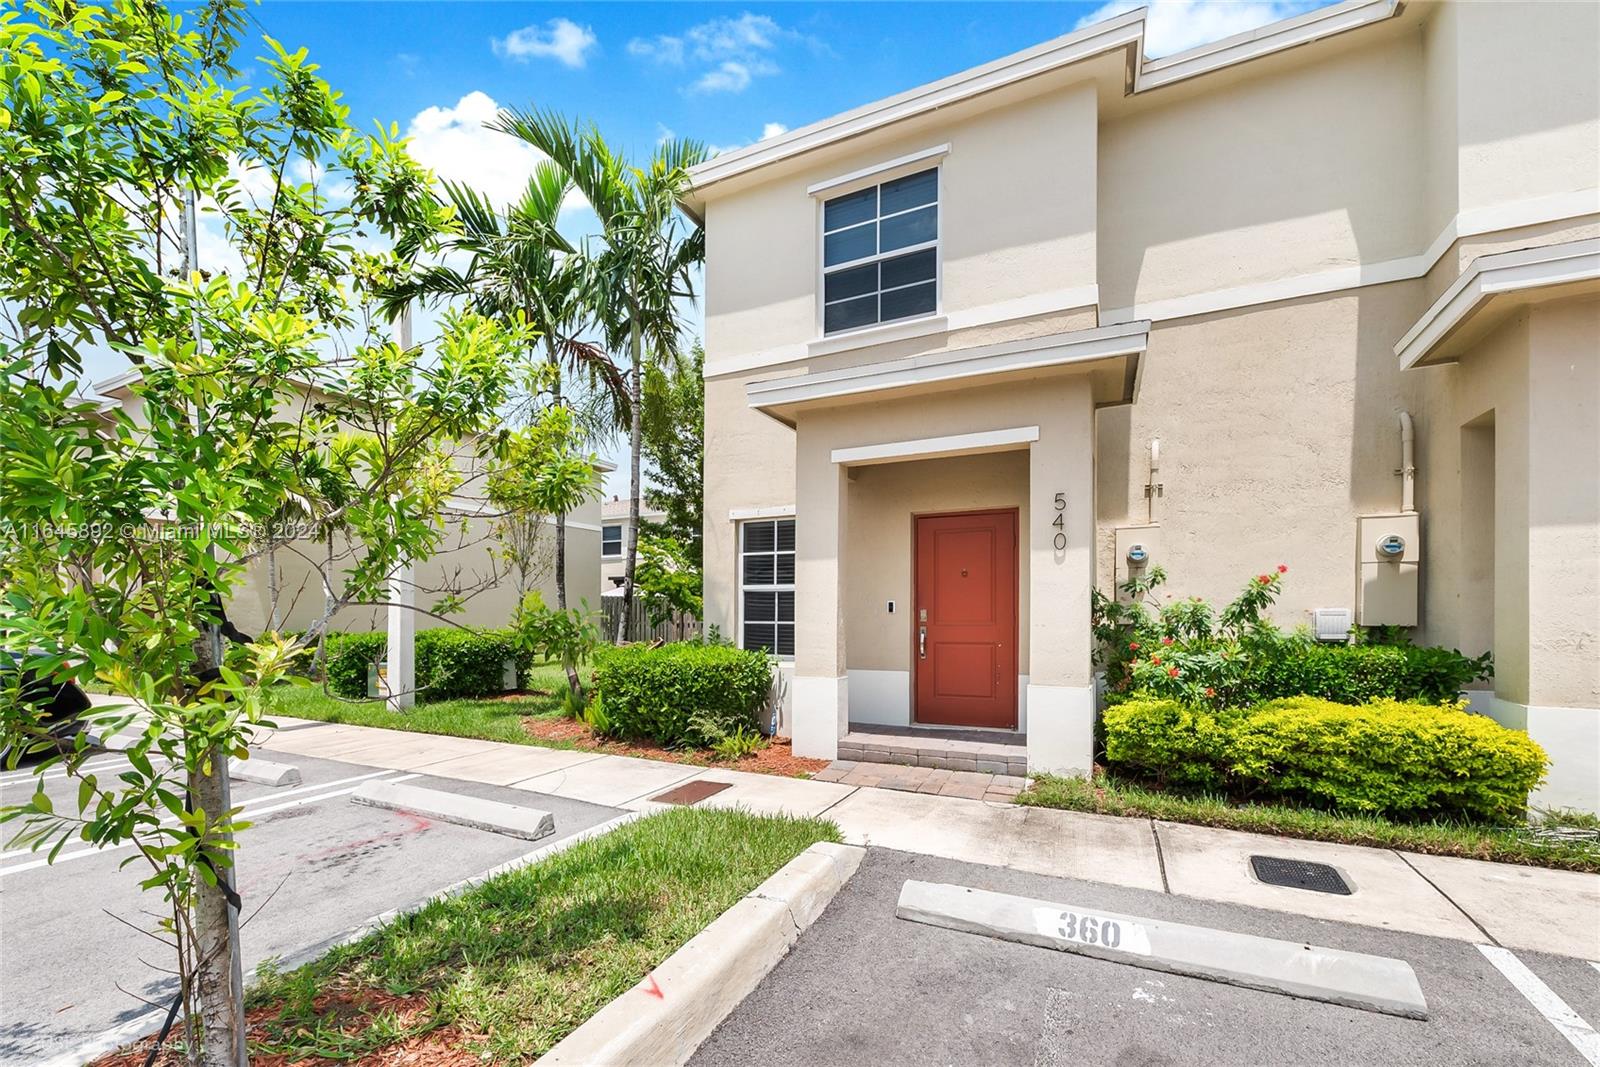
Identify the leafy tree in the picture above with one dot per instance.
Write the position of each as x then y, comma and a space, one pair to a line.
567, 635
123, 538
521, 269
674, 429
542, 470
669, 581
641, 266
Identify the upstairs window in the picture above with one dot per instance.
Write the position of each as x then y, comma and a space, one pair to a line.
880, 253
766, 586
611, 540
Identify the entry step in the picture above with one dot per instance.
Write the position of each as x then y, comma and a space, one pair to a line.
941, 750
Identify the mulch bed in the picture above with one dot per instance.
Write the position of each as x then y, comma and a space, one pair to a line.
776, 758
353, 1011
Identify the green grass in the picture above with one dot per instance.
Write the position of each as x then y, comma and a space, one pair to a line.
1106, 795
492, 720
518, 962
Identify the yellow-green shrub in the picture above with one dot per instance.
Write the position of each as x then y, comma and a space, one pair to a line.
1385, 758
1167, 741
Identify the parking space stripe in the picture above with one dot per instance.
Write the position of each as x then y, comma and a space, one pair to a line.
1580, 1034
85, 853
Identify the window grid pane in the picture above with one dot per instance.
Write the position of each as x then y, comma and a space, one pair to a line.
860, 229
766, 601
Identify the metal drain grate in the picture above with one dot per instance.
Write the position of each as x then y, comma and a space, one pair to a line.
690, 792
1298, 874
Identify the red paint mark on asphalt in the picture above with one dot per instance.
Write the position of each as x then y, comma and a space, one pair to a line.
654, 990
414, 824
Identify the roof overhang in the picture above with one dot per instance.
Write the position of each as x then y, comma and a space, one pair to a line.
1124, 32
1109, 355
1491, 289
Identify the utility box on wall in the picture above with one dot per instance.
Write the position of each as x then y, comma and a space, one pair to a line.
1389, 557
1137, 550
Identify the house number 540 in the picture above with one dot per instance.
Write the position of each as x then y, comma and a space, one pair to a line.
1059, 523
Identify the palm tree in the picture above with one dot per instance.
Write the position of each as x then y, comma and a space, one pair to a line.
520, 266
643, 267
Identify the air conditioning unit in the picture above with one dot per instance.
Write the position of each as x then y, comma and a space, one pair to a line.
1332, 624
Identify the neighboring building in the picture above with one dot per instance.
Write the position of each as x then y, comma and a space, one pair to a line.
945, 330
614, 541
469, 561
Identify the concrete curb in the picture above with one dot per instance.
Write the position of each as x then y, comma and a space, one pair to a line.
1353, 979
665, 1018
496, 816
263, 772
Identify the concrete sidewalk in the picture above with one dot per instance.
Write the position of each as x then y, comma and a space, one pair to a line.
1469, 900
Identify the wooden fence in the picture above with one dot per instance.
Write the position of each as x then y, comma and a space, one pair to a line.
639, 629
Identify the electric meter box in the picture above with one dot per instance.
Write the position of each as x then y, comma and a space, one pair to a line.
1137, 548
1389, 558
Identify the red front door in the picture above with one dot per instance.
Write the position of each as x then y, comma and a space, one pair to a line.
965, 619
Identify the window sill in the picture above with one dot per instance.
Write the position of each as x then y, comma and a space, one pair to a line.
867, 336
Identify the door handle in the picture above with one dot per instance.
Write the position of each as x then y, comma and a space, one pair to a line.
922, 642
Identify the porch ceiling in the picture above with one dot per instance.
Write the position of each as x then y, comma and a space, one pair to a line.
1109, 355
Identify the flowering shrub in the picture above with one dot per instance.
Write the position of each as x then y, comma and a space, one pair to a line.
1184, 650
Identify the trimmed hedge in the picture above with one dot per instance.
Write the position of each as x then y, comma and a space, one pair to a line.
1391, 758
685, 693
451, 663
1355, 674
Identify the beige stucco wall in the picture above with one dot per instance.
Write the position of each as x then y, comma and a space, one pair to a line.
1564, 504
1010, 227
1272, 177
1527, 99
465, 561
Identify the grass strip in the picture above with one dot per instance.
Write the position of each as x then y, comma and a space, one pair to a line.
490, 720
1107, 795
510, 967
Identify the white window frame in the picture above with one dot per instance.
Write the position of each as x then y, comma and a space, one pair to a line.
622, 537
932, 159
775, 587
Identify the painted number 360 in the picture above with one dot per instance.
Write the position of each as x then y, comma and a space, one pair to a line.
1090, 930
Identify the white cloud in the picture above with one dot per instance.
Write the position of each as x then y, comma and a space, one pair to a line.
1176, 25
457, 146
728, 52
768, 129
560, 39
729, 77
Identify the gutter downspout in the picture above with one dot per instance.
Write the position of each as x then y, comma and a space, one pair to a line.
1408, 465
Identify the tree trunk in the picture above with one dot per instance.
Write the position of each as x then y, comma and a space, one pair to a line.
272, 586
635, 440
561, 520
561, 562
222, 1025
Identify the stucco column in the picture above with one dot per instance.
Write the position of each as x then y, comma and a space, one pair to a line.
1563, 550
821, 704
1061, 702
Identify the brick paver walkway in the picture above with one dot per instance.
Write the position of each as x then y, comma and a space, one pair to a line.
973, 785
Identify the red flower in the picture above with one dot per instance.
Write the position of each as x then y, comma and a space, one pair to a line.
1166, 640
1133, 645
1155, 659
1210, 692
1264, 579
1172, 671
1283, 568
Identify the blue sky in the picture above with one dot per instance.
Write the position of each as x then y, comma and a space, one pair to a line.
726, 74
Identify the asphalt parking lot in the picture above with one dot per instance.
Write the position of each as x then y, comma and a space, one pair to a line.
75, 964
864, 987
